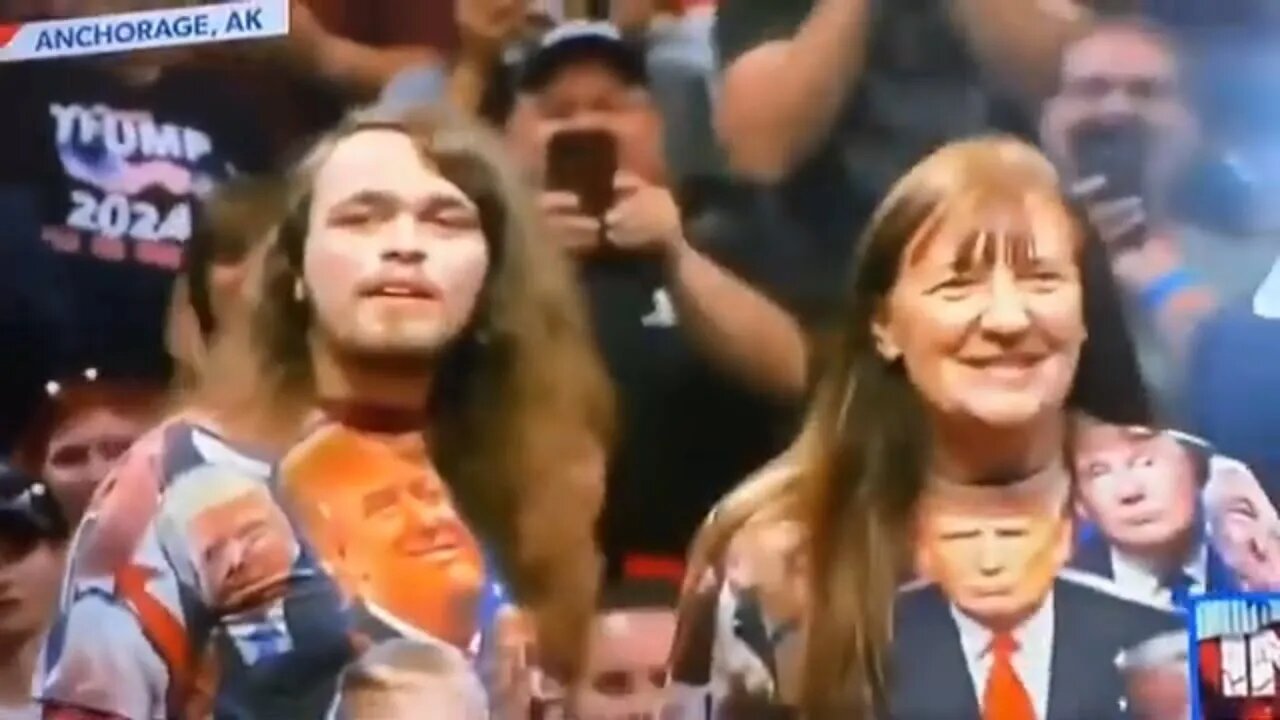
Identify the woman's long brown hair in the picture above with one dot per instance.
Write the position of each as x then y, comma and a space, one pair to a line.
521, 412
857, 472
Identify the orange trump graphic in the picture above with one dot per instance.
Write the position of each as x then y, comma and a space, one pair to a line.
998, 627
387, 529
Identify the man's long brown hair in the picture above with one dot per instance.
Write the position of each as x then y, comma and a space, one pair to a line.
856, 474
520, 412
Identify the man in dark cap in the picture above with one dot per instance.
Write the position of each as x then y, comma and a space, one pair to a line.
686, 294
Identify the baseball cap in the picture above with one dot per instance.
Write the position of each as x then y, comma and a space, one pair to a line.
577, 41
29, 513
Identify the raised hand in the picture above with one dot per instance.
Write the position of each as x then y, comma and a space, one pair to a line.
486, 26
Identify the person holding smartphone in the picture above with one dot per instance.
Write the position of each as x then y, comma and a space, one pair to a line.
706, 365
1121, 130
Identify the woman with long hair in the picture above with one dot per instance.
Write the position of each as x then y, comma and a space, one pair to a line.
229, 228
908, 556
384, 452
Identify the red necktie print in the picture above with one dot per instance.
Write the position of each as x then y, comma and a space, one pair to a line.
1005, 697
161, 627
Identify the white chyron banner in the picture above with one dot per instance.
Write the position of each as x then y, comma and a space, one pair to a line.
164, 26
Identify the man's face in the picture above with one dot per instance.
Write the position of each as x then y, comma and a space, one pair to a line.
1139, 486
997, 564
1118, 76
626, 670
245, 545
396, 257
589, 96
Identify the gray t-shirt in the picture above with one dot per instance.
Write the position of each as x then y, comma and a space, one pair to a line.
682, 70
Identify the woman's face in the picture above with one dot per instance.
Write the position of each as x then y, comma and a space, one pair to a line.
989, 325
84, 448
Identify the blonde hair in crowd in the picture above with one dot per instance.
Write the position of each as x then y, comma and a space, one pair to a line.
521, 411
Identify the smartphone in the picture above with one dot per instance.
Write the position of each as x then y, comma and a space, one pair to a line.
584, 162
1116, 151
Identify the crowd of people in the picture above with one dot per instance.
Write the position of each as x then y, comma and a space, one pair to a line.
822, 359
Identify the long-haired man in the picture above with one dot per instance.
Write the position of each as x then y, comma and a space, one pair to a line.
387, 451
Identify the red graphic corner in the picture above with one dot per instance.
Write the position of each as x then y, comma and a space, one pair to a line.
1238, 677
8, 33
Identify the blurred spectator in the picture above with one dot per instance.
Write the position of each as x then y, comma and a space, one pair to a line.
834, 99
1202, 359
485, 28
122, 148
700, 358
119, 151
210, 296
1233, 398
677, 39
494, 36
1235, 78
627, 665
356, 68
189, 534
1120, 128
399, 679
81, 430
360, 68
494, 48
33, 537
